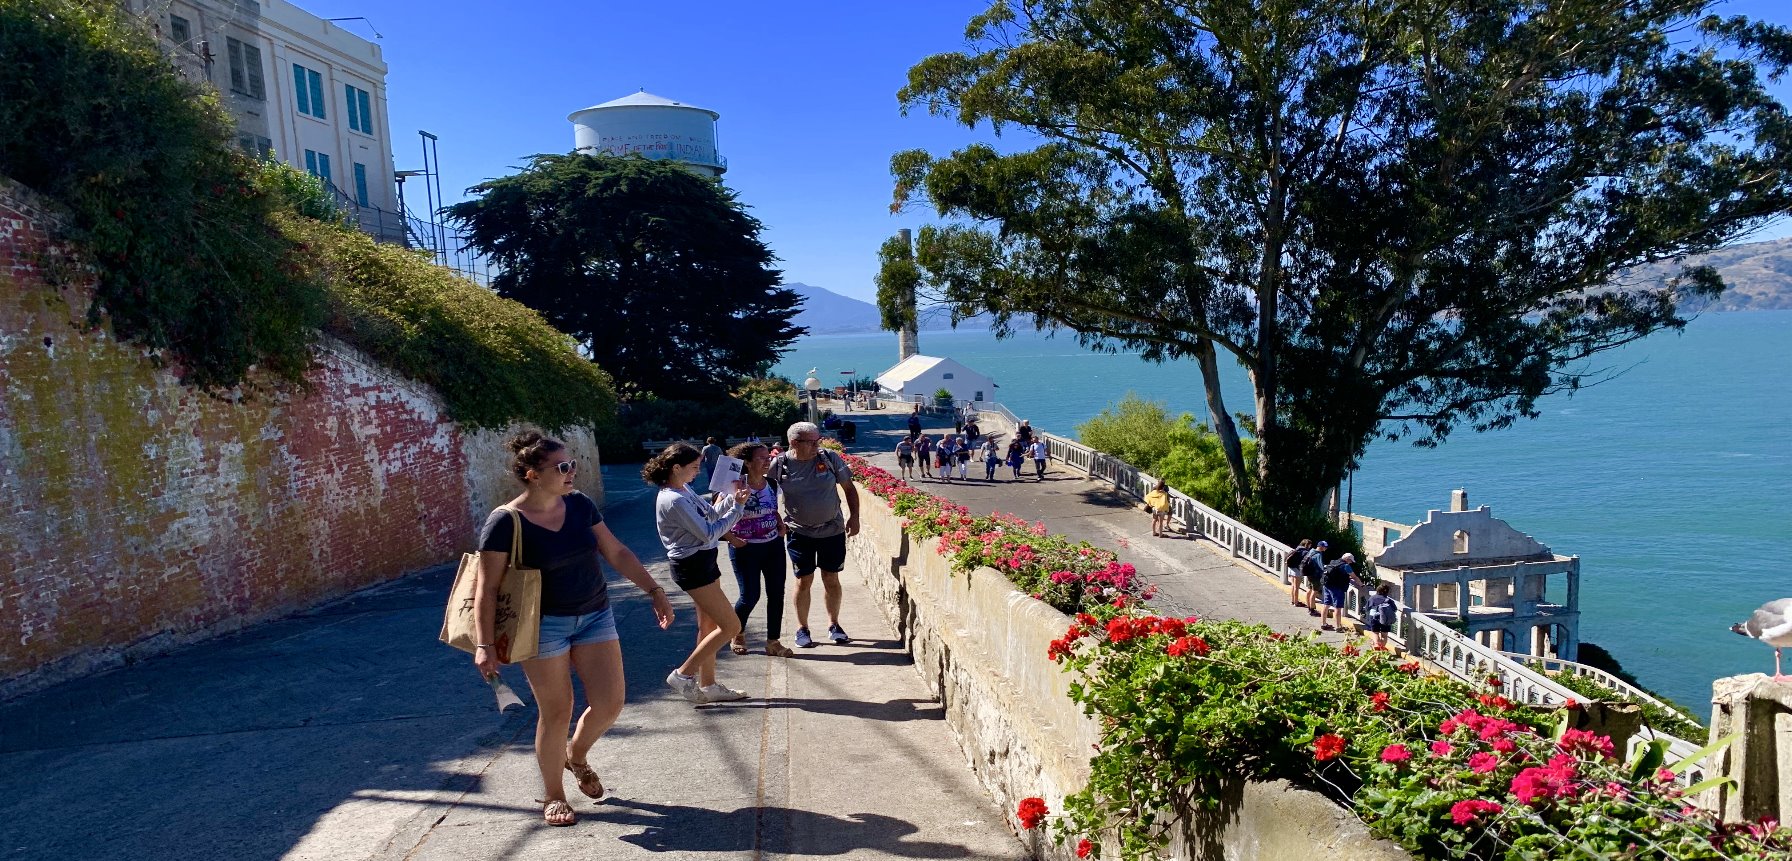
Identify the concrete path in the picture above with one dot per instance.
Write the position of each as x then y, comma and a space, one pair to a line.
348, 732
1192, 575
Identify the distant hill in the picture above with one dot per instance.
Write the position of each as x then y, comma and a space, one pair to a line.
828, 313
1758, 276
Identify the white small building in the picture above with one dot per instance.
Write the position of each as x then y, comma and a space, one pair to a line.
652, 127
918, 377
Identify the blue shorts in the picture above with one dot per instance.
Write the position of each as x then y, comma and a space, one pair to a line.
560, 633
1334, 597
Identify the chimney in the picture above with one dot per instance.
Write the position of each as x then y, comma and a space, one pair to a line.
908, 340
1459, 500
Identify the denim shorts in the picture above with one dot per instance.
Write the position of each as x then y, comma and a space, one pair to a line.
1334, 597
560, 633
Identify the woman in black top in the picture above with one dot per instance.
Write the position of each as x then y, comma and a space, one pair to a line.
563, 534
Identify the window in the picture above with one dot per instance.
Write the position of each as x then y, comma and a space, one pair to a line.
946, 376
255, 146
181, 31
360, 109
317, 164
1389, 536
360, 184
1461, 541
245, 69
308, 90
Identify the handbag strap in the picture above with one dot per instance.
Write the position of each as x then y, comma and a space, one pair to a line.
516, 537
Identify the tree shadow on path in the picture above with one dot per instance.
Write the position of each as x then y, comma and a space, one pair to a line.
782, 830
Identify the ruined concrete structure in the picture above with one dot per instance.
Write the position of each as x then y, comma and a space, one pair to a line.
1469, 568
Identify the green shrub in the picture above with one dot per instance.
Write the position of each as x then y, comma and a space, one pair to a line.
168, 213
300, 192
493, 361
1181, 451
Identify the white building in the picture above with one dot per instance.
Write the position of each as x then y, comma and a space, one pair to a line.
302, 88
1466, 567
653, 127
918, 377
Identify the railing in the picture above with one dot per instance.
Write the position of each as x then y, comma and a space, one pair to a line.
1593, 674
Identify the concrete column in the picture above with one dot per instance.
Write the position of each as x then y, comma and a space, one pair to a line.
1462, 593
1760, 761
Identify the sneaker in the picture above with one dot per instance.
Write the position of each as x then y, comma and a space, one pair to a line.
803, 640
838, 635
686, 686
720, 693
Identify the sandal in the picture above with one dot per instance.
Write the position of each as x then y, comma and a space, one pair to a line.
778, 650
587, 777
740, 645
557, 813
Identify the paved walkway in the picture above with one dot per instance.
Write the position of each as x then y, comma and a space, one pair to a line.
348, 732
1192, 575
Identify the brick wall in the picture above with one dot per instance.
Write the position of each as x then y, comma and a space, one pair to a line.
137, 515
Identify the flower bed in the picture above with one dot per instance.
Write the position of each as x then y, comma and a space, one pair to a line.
1183, 705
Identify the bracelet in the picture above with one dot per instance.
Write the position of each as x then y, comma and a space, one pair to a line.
660, 589
483, 646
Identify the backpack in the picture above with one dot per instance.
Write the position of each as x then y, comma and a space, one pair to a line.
1385, 611
1297, 556
1311, 564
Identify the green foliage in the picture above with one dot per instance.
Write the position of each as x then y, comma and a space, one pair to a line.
764, 406
493, 361
1443, 769
658, 272
942, 394
172, 218
300, 192
897, 277
1676, 721
1397, 217
1181, 451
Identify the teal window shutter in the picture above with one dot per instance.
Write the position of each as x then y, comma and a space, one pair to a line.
323, 167
311, 162
360, 184
317, 94
354, 117
366, 110
299, 90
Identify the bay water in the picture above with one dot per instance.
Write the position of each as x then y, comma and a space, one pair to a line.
1672, 481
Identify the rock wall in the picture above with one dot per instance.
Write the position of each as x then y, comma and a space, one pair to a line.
980, 645
137, 514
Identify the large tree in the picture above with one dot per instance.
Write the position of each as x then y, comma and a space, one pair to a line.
1400, 216
658, 272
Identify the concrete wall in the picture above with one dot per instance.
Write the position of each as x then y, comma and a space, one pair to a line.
137, 514
1489, 538
980, 645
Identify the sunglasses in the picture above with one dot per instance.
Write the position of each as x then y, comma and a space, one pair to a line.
566, 467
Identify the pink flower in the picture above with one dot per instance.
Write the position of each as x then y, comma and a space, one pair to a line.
1542, 784
1395, 754
1504, 745
1482, 763
1441, 748
1468, 810
1584, 741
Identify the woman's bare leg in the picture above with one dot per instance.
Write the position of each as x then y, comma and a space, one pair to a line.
550, 679
714, 610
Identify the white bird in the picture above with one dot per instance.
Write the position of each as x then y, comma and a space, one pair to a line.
1771, 624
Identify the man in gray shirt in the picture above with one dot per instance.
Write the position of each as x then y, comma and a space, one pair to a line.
807, 475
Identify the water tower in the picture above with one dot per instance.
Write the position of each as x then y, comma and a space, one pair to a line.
652, 127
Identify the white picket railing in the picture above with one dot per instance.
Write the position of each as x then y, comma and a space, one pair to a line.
1592, 674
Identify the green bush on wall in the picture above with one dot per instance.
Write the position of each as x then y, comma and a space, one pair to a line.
167, 212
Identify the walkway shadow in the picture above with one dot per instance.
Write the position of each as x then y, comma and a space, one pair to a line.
780, 830
1105, 498
890, 710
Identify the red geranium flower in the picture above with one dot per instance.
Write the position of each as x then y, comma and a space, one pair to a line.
1409, 667
1395, 754
1442, 748
1468, 810
1328, 746
1084, 847
1584, 741
1379, 701
1188, 645
1482, 763
1031, 812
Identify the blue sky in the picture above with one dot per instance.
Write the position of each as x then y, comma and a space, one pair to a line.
806, 90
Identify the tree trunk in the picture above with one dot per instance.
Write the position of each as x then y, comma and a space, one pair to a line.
1222, 421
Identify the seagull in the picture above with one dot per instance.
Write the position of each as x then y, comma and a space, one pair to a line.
1771, 624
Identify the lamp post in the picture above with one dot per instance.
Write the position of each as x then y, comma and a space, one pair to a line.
813, 386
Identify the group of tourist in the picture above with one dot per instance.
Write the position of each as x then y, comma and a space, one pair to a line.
1330, 583
786, 506
916, 452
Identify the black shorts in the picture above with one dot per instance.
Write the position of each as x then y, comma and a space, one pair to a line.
905, 459
1379, 627
807, 554
696, 571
